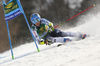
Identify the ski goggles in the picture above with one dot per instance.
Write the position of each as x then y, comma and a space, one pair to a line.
35, 21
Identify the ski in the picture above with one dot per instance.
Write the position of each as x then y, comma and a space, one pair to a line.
59, 45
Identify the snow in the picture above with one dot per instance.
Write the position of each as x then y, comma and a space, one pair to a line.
74, 3
76, 53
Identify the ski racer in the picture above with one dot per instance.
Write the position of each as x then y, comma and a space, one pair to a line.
45, 33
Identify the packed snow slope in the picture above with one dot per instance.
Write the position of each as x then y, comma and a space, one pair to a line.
76, 53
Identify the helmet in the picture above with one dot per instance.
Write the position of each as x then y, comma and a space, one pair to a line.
35, 18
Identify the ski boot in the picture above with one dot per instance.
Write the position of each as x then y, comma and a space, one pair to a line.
84, 36
48, 42
67, 40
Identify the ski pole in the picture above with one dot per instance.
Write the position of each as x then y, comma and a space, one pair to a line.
75, 15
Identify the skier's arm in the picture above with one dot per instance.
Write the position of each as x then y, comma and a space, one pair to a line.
46, 22
50, 24
37, 38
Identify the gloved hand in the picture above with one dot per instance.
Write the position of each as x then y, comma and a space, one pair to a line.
51, 28
47, 42
42, 42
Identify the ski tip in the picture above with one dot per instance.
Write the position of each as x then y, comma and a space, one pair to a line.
93, 4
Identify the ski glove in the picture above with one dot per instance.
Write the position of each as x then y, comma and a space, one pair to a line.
47, 42
50, 24
51, 28
42, 42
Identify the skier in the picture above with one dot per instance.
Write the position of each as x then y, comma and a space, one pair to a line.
45, 33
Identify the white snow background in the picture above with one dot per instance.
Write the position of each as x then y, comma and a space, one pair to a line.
76, 53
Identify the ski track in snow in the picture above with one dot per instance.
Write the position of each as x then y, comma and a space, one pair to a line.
76, 53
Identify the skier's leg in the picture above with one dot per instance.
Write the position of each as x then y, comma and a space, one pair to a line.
57, 33
74, 34
59, 39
